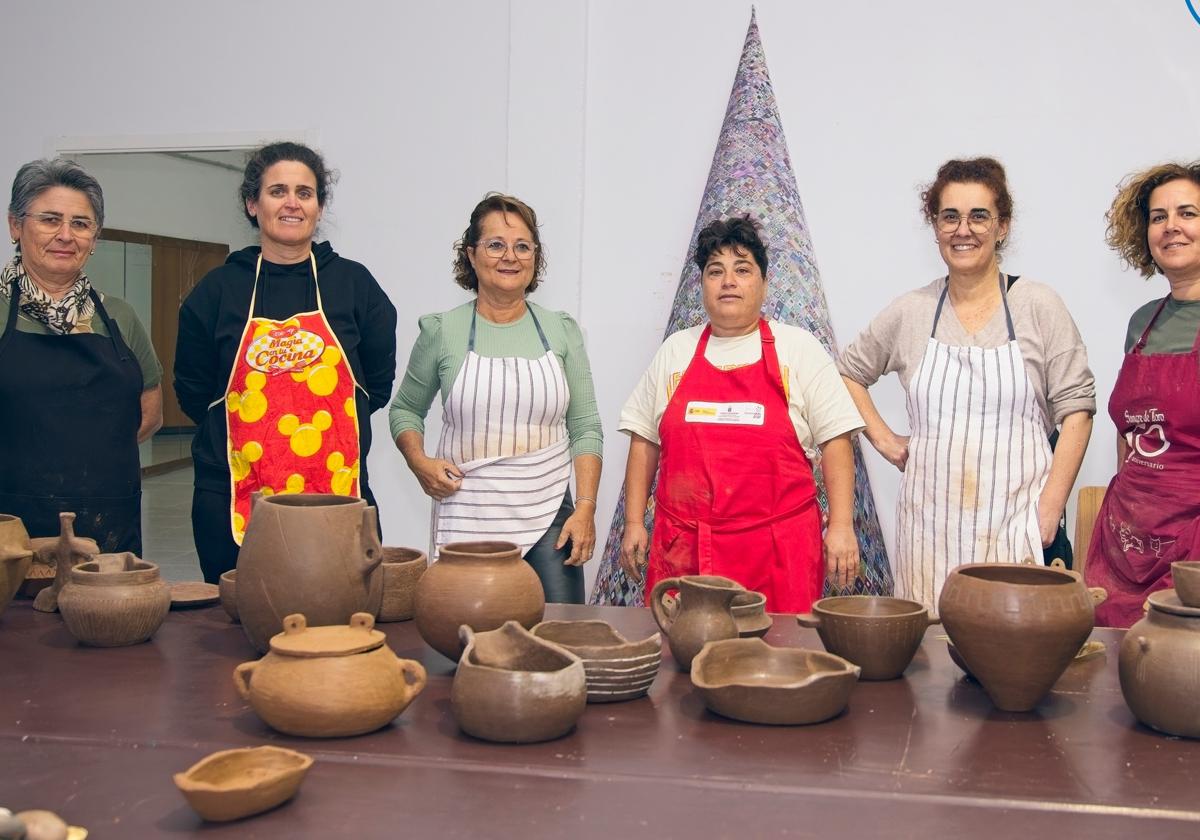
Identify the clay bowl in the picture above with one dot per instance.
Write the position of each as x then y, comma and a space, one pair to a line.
748, 608
402, 569
114, 600
616, 669
16, 556
879, 634
228, 590
232, 784
749, 680
513, 687
1186, 575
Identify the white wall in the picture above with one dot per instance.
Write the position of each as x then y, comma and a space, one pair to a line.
604, 115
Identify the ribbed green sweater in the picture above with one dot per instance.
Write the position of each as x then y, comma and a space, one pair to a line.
441, 348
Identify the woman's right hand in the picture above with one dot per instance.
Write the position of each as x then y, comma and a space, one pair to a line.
439, 478
634, 547
893, 447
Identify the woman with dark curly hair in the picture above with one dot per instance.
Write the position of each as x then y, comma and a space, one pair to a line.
283, 353
518, 407
1151, 513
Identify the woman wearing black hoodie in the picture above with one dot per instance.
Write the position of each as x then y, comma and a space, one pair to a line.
283, 353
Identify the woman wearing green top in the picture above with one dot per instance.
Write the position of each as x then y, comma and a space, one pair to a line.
518, 407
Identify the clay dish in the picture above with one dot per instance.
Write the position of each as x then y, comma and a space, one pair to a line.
749, 680
232, 784
227, 589
16, 556
616, 668
513, 687
879, 634
1186, 575
193, 593
402, 569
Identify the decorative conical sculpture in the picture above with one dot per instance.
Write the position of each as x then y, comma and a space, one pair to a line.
752, 173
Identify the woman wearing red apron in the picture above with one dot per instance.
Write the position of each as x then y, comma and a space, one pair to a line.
283, 353
724, 415
1151, 513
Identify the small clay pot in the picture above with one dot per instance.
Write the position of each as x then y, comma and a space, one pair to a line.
750, 614
617, 669
1186, 576
703, 615
232, 784
227, 586
402, 569
879, 634
16, 556
513, 687
329, 682
1159, 666
114, 600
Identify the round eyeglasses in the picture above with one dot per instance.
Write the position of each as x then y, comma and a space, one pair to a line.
978, 221
52, 223
497, 248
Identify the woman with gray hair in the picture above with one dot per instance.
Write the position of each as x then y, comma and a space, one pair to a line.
79, 381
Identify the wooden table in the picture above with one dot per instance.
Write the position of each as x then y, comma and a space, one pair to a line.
95, 735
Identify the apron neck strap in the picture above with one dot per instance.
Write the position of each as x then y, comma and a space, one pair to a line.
114, 333
937, 315
312, 261
1141, 342
536, 323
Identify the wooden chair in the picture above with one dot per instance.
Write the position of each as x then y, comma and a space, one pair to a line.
1087, 508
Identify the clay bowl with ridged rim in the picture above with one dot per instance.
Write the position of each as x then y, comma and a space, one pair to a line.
1186, 576
232, 784
878, 633
752, 681
616, 669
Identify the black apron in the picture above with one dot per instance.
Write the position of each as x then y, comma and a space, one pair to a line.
70, 409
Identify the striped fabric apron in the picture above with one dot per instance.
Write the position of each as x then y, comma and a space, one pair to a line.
977, 462
504, 426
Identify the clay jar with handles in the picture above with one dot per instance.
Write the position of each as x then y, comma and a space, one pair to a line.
310, 553
704, 613
479, 584
329, 682
114, 600
16, 553
1159, 666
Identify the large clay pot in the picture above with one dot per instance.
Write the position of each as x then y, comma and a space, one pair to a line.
481, 585
1016, 626
402, 570
309, 553
114, 600
329, 682
16, 553
1160, 666
879, 634
704, 613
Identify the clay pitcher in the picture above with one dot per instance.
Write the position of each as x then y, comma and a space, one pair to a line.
16, 553
704, 614
310, 553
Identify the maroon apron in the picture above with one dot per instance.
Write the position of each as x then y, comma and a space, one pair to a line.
1151, 512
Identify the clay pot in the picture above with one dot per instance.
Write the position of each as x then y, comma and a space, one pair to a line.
750, 614
402, 569
513, 687
329, 682
1186, 576
16, 555
309, 553
1016, 627
748, 679
114, 600
227, 587
1159, 666
232, 784
481, 585
65, 553
879, 634
616, 668
703, 614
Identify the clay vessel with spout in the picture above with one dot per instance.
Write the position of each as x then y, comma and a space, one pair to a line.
66, 552
704, 613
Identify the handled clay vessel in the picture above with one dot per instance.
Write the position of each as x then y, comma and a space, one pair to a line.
1159, 666
1016, 626
16, 554
481, 585
704, 613
64, 552
114, 600
316, 554
402, 570
877, 633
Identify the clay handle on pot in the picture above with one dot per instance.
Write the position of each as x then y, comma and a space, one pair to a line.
412, 673
241, 678
1143, 644
657, 609
808, 620
294, 623
372, 547
1099, 595
362, 621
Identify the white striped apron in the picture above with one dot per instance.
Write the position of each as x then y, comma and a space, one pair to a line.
978, 459
504, 426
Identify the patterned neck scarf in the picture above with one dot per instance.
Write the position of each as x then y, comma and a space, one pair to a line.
70, 313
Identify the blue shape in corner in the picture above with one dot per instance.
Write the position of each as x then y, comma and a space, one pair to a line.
1192, 8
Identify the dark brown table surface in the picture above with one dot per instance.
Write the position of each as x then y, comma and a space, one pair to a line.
95, 734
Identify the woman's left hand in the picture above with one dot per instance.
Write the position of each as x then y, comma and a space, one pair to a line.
841, 555
580, 529
1049, 519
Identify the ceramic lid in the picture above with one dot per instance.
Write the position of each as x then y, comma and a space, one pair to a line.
1167, 601
298, 639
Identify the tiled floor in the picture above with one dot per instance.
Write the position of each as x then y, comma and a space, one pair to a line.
167, 525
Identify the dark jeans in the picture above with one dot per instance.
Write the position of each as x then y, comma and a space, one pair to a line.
562, 584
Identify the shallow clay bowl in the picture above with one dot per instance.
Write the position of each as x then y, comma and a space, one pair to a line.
227, 587
402, 570
878, 633
593, 640
232, 784
749, 680
1186, 575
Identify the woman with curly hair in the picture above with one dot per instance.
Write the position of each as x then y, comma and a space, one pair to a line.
1151, 512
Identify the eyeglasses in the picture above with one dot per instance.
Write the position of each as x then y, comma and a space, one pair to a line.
978, 221
52, 223
497, 248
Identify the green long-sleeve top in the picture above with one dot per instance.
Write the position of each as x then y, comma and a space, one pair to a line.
441, 348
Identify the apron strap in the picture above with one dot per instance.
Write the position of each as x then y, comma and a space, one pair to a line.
1141, 342
536, 323
312, 260
14, 303
771, 358
114, 332
937, 315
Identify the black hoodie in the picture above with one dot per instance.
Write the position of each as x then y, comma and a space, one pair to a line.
214, 315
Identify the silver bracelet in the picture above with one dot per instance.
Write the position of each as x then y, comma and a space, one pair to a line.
585, 499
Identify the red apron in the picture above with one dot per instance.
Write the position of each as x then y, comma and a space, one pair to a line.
1151, 513
293, 427
736, 495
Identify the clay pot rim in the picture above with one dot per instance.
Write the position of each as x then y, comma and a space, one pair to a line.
1054, 577
823, 607
478, 550
229, 576
834, 666
619, 649
513, 630
421, 556
185, 781
89, 574
311, 500
1168, 601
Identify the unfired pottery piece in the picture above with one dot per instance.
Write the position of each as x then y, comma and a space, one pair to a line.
879, 634
329, 682
16, 556
749, 680
1159, 666
402, 569
481, 585
67, 552
1186, 576
513, 687
616, 669
232, 784
44, 825
703, 614
1016, 626
750, 614
227, 589
114, 600
316, 554
193, 593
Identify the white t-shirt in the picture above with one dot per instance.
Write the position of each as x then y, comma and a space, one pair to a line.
819, 405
